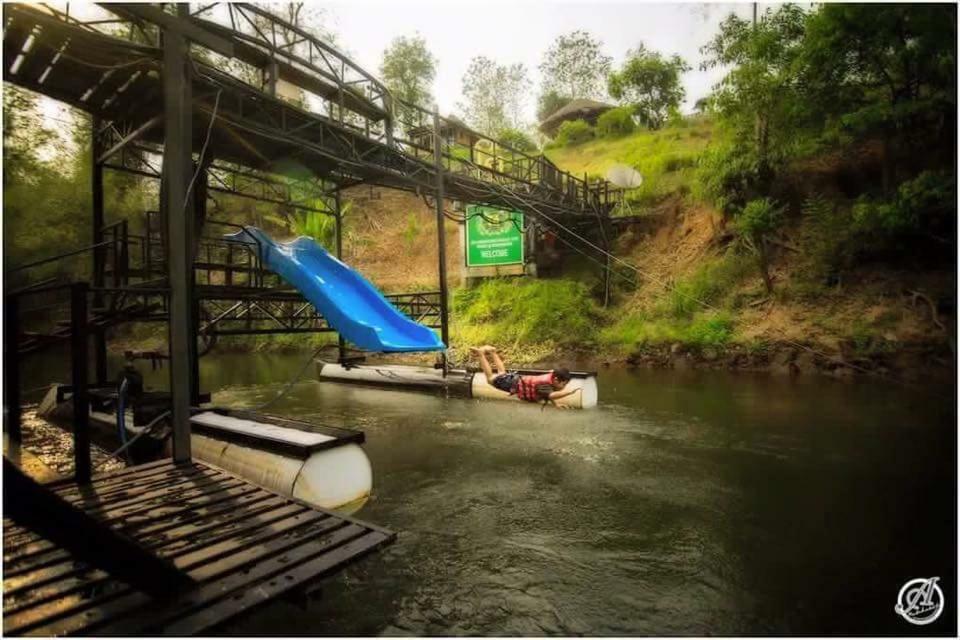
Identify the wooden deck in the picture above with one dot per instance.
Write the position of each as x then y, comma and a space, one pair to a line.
243, 545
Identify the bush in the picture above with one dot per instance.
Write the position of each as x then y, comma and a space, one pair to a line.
574, 132
616, 123
512, 311
517, 139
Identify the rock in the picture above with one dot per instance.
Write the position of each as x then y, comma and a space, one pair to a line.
709, 354
676, 348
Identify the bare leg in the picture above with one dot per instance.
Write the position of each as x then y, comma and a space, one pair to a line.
498, 361
485, 365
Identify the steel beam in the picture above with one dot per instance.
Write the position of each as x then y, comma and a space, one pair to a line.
179, 230
441, 236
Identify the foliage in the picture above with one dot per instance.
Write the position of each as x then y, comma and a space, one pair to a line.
411, 231
923, 203
575, 66
889, 71
549, 102
408, 69
573, 132
513, 312
758, 101
705, 287
494, 95
616, 123
517, 139
705, 329
754, 225
650, 83
666, 158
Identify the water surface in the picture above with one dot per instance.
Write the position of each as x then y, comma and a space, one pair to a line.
687, 503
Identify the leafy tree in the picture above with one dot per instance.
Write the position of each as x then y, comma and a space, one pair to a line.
576, 66
408, 70
573, 132
754, 224
650, 83
550, 102
888, 71
758, 102
495, 95
616, 122
517, 139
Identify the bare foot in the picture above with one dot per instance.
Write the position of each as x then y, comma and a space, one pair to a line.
488, 348
476, 350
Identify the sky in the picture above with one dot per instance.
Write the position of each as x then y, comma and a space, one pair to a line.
521, 30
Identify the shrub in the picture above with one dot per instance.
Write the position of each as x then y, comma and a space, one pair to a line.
574, 132
517, 139
616, 123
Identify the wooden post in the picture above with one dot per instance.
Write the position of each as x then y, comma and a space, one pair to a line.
441, 235
78, 363
179, 231
11, 366
97, 219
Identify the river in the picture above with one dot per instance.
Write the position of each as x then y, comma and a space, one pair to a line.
687, 503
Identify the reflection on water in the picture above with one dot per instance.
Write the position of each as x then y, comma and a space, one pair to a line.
688, 503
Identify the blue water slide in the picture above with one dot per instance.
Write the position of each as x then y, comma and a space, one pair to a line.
351, 305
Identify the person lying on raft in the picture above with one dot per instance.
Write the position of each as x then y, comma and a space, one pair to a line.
548, 387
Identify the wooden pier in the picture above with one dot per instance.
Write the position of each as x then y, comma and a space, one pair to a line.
241, 545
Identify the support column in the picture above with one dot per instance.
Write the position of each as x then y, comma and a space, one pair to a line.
11, 366
78, 382
441, 236
178, 228
341, 343
96, 192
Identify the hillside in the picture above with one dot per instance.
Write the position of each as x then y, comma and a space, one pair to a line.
701, 301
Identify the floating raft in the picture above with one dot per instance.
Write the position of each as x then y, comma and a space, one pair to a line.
242, 544
457, 383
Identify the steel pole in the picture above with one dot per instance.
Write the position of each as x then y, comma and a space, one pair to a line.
441, 235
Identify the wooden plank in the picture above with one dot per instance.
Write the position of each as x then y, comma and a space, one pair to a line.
104, 479
79, 615
236, 580
81, 578
201, 478
227, 514
36, 507
292, 577
233, 495
116, 493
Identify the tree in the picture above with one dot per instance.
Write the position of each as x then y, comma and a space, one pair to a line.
494, 95
754, 225
576, 66
650, 83
408, 69
550, 102
758, 102
886, 71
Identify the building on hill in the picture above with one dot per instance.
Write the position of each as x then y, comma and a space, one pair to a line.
452, 129
579, 109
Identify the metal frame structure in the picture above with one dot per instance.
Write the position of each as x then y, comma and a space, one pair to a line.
223, 98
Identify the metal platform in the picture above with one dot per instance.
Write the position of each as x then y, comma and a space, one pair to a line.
241, 544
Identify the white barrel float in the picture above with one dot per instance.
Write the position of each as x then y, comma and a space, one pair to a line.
457, 382
317, 468
585, 398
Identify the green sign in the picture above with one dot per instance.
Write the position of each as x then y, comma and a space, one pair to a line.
494, 237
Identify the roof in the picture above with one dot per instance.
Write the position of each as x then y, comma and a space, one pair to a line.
574, 109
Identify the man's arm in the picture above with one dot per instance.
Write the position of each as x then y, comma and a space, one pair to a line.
556, 395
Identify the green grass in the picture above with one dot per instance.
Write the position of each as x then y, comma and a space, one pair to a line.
528, 319
697, 311
666, 158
